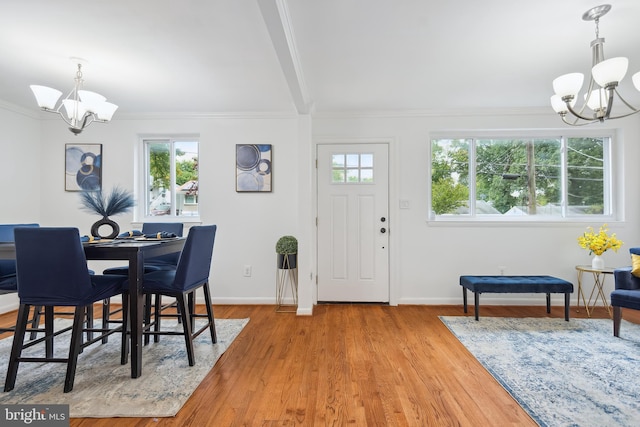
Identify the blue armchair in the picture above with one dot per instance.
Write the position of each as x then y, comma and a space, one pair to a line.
627, 289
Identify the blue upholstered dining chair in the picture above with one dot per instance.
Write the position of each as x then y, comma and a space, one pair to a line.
52, 272
192, 273
162, 262
8, 280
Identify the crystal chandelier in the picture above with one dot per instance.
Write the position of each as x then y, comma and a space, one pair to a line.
605, 76
81, 107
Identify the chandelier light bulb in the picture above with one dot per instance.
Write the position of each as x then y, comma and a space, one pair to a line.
91, 100
559, 106
636, 80
568, 84
610, 71
597, 99
46, 97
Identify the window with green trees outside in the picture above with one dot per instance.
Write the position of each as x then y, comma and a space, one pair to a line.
171, 177
521, 178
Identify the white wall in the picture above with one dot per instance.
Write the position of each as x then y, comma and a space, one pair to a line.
248, 223
430, 257
427, 257
20, 171
20, 166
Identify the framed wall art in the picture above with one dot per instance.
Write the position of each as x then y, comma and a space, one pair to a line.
253, 168
83, 167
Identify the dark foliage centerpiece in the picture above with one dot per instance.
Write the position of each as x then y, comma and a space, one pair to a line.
117, 202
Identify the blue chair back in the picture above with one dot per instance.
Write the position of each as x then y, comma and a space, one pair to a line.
6, 231
156, 227
170, 227
51, 267
195, 259
8, 266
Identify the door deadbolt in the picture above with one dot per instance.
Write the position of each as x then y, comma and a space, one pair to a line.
383, 219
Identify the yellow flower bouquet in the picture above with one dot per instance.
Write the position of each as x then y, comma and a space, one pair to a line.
599, 243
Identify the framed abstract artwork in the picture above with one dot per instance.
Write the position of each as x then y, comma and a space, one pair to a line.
253, 168
83, 167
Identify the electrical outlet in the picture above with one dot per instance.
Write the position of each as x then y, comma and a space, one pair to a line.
247, 271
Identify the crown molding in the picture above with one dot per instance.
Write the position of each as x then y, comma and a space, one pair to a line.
458, 112
34, 114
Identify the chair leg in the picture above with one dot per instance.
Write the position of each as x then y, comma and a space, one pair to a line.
89, 312
48, 327
212, 324
106, 317
186, 327
157, 316
35, 322
124, 351
16, 348
617, 318
74, 347
191, 300
147, 315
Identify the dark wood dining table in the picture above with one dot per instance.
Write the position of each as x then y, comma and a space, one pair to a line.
133, 251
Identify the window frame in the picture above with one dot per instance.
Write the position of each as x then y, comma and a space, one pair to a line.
611, 193
141, 213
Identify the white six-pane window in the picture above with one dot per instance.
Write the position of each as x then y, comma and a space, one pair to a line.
352, 168
171, 177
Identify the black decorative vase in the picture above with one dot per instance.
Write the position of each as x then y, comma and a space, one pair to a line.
115, 228
287, 261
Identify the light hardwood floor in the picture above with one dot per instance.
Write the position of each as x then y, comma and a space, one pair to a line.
360, 365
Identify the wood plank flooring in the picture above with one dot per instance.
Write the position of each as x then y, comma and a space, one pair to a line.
360, 365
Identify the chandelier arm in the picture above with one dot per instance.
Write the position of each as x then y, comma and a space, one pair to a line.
607, 114
631, 107
625, 115
576, 121
579, 115
87, 122
67, 121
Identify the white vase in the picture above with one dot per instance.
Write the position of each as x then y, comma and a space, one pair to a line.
597, 263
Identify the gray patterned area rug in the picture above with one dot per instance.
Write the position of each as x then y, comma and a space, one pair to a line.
103, 388
572, 373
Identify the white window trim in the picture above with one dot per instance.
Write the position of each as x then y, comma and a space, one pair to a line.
613, 183
139, 211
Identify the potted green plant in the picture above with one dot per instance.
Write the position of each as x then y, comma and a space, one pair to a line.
287, 250
117, 202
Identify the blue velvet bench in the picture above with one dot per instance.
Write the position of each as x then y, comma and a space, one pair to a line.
516, 284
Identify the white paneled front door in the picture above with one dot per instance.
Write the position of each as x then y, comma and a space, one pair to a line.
353, 222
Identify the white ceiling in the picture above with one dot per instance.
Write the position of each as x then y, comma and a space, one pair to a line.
216, 56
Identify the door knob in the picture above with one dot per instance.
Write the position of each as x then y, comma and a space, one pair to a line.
383, 230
